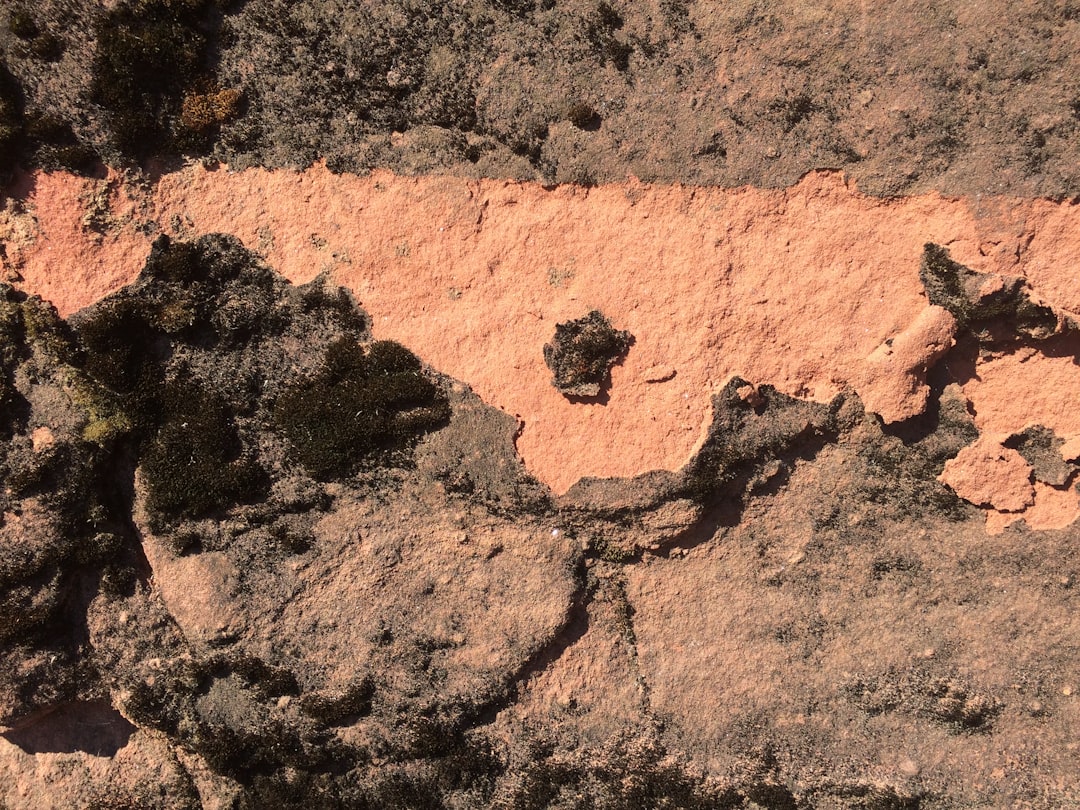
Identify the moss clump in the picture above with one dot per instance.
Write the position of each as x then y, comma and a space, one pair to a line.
364, 401
201, 353
334, 303
55, 146
149, 54
106, 420
119, 345
196, 462
11, 119
202, 113
46, 332
748, 433
582, 354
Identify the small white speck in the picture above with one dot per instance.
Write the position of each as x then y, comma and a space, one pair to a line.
555, 532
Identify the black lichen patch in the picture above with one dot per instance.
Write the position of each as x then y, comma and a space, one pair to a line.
363, 402
582, 354
753, 425
994, 308
942, 278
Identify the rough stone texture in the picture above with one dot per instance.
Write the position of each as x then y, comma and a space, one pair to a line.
893, 382
988, 474
814, 548
435, 623
965, 98
474, 276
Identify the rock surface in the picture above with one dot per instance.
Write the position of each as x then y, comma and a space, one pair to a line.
465, 275
810, 545
239, 630
568, 91
988, 474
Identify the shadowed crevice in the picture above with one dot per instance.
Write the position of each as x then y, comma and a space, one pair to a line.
90, 727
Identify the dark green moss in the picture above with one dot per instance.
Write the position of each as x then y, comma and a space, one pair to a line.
196, 463
207, 267
148, 55
28, 325
119, 345
11, 326
175, 262
46, 332
11, 349
361, 403
21, 23
11, 120
55, 146
334, 303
